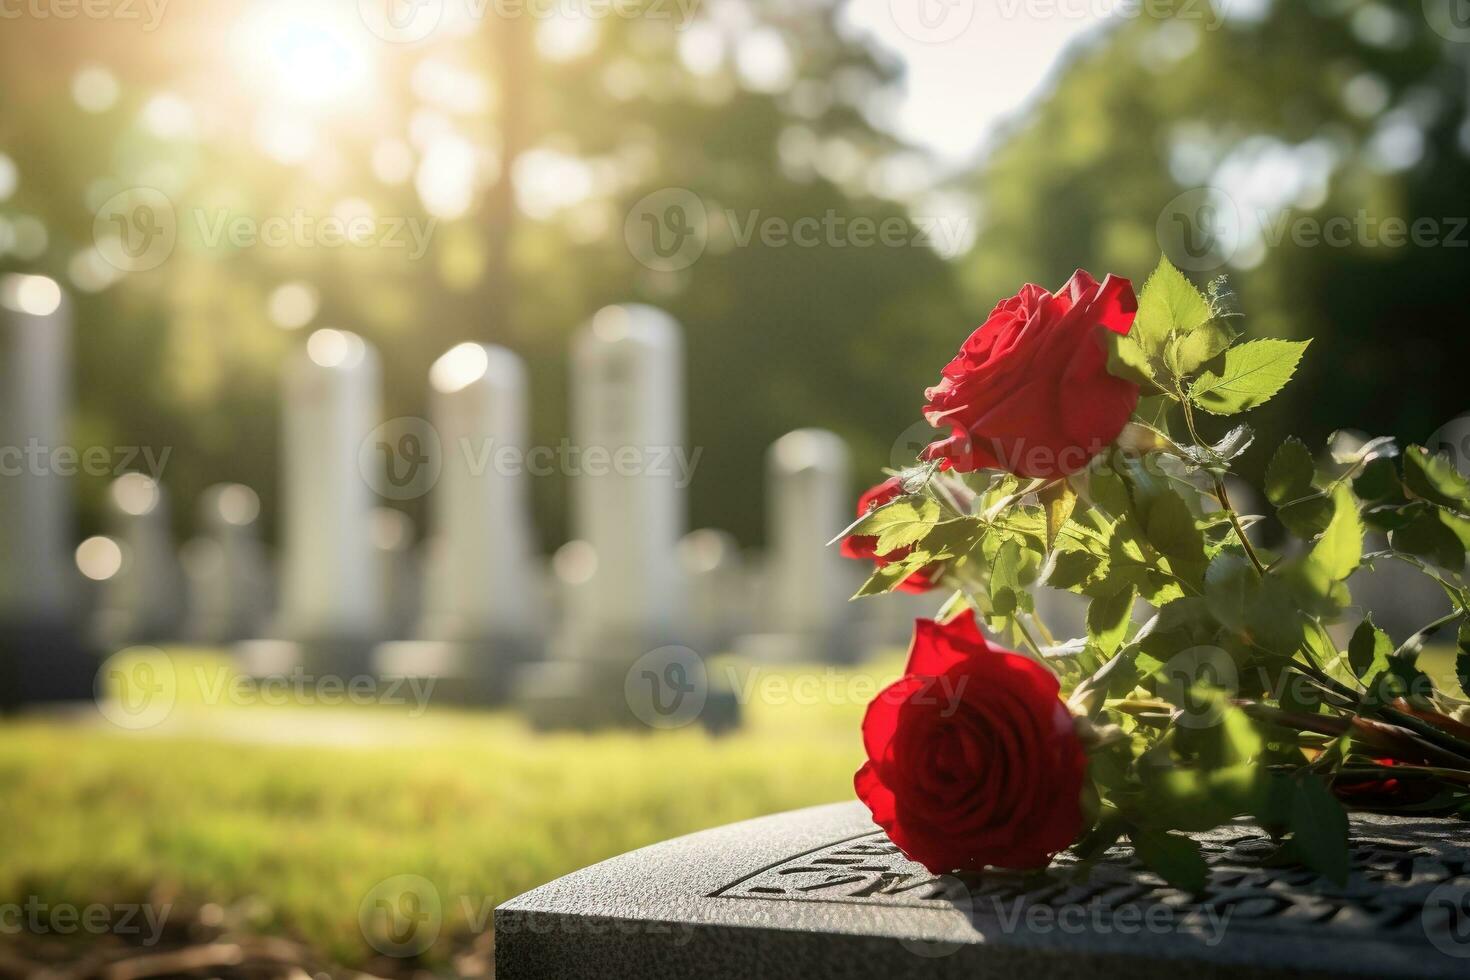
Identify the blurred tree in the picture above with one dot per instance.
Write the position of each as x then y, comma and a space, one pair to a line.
1272, 120
518, 146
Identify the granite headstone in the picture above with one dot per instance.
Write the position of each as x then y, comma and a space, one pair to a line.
823, 893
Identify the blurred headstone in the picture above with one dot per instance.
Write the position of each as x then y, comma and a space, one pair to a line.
1064, 614
719, 601
807, 583
330, 608
43, 654
481, 607
628, 482
1401, 599
887, 621
143, 602
227, 568
400, 567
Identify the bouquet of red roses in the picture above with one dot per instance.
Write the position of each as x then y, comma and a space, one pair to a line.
1218, 678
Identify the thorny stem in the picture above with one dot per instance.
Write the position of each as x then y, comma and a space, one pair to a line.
1026, 635
1221, 492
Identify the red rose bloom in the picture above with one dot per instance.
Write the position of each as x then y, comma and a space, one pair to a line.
1030, 392
865, 546
973, 760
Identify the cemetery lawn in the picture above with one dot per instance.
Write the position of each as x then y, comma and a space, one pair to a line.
279, 820
282, 818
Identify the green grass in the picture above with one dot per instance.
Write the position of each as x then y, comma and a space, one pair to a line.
296, 813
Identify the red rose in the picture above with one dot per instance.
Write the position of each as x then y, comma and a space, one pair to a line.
1030, 392
865, 546
973, 760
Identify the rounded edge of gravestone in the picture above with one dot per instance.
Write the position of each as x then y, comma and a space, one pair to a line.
739, 901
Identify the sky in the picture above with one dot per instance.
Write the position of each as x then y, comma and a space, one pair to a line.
970, 63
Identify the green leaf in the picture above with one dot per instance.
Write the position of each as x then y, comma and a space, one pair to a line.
1220, 734
1319, 827
1059, 500
900, 523
882, 581
1231, 586
1462, 659
1435, 479
1252, 374
1071, 569
1168, 304
1379, 481
1290, 473
1198, 799
1127, 566
1153, 410
1107, 490
1005, 578
1127, 360
1108, 618
1432, 533
1187, 353
1369, 650
1172, 531
1173, 857
1302, 507
1296, 694
1339, 551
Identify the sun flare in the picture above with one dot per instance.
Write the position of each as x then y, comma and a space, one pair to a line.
314, 56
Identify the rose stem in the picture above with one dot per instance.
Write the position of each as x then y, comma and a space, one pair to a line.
1220, 490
